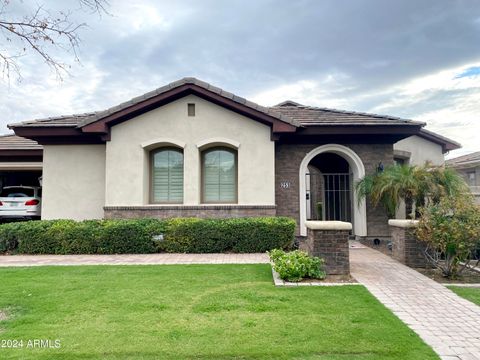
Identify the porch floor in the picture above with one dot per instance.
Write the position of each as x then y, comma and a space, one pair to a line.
445, 321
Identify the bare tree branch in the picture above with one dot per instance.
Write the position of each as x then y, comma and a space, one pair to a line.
42, 34
96, 6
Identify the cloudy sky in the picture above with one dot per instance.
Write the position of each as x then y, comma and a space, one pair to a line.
409, 58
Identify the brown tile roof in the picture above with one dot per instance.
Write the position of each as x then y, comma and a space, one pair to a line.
471, 159
288, 111
80, 120
14, 142
318, 116
55, 121
192, 81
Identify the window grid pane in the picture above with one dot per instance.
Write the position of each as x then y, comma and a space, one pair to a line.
219, 176
167, 176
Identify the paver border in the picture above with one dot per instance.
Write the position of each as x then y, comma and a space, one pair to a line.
279, 282
131, 259
461, 285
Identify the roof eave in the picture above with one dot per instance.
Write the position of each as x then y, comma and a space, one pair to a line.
446, 143
57, 135
359, 129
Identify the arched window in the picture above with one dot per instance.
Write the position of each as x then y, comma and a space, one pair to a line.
219, 175
166, 176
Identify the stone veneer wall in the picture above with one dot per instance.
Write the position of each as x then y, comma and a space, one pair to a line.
288, 158
200, 211
384, 245
332, 246
406, 248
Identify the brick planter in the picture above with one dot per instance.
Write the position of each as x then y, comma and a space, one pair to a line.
405, 246
329, 240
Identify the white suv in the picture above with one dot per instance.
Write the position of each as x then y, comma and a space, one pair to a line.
20, 202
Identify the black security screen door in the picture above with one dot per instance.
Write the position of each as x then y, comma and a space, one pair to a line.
329, 196
337, 197
329, 188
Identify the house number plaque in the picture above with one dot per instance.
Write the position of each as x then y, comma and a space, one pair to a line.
285, 184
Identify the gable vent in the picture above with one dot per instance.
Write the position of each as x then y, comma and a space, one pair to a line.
191, 109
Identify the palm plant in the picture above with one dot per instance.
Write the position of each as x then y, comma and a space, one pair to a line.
410, 183
446, 183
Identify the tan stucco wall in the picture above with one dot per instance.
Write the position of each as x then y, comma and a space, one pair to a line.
421, 150
127, 162
73, 181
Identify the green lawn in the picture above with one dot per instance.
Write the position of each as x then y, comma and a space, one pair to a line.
194, 312
472, 294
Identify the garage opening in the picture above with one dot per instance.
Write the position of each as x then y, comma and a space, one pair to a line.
19, 177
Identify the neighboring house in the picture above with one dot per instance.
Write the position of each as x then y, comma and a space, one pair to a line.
469, 167
192, 149
20, 161
426, 146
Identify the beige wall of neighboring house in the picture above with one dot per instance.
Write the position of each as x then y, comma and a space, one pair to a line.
73, 182
421, 150
468, 166
471, 174
127, 153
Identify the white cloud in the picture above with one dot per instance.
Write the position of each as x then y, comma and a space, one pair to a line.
447, 102
136, 16
308, 92
46, 96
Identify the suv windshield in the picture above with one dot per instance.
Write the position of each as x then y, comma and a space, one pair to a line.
17, 192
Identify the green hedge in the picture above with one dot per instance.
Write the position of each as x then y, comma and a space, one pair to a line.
145, 236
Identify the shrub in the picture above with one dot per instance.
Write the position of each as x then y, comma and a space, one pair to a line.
81, 238
243, 235
124, 237
40, 237
147, 236
262, 234
296, 265
8, 237
451, 230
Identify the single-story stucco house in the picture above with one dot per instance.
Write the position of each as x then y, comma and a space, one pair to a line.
193, 149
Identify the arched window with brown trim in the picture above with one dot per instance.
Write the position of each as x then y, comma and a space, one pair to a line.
166, 176
219, 175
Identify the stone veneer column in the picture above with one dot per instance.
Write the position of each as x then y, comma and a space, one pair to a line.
329, 240
405, 246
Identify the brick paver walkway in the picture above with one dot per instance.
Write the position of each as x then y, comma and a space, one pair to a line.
150, 259
445, 321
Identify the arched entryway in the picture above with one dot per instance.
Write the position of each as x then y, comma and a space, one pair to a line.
334, 169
